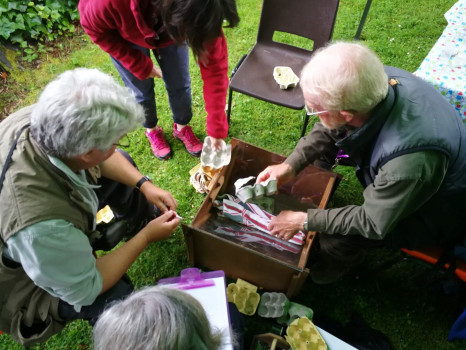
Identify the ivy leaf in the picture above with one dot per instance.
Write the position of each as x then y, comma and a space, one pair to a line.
18, 38
40, 20
34, 19
12, 5
34, 33
6, 28
19, 21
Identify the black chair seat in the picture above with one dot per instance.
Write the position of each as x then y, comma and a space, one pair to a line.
310, 20
255, 78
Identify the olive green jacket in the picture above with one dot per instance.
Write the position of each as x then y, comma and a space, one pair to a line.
35, 190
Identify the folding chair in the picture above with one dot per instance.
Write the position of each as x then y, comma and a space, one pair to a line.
442, 258
253, 75
445, 259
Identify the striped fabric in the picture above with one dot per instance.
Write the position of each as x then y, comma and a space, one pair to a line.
250, 235
251, 215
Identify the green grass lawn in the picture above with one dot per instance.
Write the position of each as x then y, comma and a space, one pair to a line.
402, 33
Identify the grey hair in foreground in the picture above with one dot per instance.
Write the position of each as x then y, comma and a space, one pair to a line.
345, 76
83, 109
156, 317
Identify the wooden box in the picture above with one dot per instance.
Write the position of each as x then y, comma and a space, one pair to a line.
259, 263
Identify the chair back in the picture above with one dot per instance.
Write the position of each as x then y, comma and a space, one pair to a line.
311, 19
253, 75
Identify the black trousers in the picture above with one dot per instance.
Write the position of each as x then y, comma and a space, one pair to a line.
346, 250
126, 202
91, 313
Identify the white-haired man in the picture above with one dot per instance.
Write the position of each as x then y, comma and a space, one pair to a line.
409, 148
63, 169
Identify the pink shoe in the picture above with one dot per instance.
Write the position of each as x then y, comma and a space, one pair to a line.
191, 142
160, 147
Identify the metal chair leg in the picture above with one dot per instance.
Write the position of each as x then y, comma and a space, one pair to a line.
363, 19
230, 91
230, 94
306, 121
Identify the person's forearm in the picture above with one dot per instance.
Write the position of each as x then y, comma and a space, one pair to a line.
400, 188
348, 220
115, 264
119, 169
318, 144
215, 77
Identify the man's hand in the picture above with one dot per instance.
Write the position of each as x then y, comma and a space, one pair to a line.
283, 173
286, 224
155, 72
160, 198
161, 227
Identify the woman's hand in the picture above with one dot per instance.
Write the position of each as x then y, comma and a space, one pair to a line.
161, 227
216, 143
162, 199
156, 72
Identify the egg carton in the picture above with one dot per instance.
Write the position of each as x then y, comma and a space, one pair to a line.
294, 312
273, 305
244, 295
285, 77
215, 158
246, 189
302, 334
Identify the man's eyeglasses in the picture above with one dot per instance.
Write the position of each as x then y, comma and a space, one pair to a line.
310, 111
123, 142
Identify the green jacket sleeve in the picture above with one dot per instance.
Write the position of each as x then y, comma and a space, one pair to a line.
318, 145
402, 186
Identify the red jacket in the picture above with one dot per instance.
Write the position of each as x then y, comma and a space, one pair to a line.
116, 24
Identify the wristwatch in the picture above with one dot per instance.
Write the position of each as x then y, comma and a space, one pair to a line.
143, 179
306, 229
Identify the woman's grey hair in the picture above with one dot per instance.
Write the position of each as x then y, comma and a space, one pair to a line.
155, 318
345, 76
83, 109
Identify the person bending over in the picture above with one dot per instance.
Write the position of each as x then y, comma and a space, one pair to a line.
128, 30
409, 148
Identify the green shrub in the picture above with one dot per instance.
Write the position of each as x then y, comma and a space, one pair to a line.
37, 21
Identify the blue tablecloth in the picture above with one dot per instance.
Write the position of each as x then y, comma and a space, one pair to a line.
445, 65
